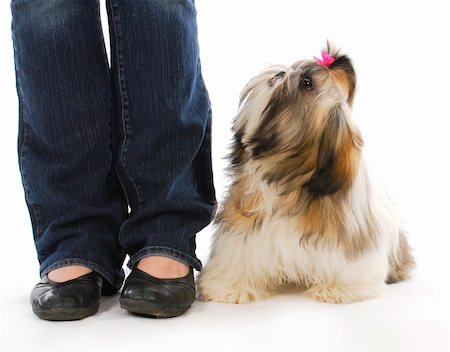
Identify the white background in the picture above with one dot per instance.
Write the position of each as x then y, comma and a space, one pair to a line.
401, 54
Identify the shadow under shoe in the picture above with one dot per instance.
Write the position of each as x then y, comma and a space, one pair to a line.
149, 296
69, 300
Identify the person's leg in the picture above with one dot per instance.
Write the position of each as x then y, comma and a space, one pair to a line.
164, 120
73, 196
69, 272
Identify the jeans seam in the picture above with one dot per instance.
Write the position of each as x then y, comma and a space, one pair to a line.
124, 100
105, 57
34, 213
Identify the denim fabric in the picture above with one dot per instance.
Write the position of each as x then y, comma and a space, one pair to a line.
95, 139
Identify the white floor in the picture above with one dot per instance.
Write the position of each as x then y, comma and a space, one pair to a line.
411, 316
400, 52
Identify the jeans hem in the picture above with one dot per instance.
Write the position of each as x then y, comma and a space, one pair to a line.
165, 252
114, 285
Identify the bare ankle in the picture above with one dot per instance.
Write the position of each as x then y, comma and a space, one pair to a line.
69, 272
163, 267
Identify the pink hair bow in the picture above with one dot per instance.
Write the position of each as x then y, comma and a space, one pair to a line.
326, 61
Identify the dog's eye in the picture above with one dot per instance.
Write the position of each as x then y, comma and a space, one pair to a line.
280, 74
306, 83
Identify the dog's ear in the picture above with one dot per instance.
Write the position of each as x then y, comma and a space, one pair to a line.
337, 156
343, 63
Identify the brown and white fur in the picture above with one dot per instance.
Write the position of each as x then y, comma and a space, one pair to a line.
302, 208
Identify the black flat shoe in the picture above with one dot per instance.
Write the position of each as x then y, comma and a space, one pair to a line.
69, 300
147, 295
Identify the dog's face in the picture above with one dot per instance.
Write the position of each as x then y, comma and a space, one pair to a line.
295, 121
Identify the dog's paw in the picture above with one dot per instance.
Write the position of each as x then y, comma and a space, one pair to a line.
226, 297
342, 294
238, 296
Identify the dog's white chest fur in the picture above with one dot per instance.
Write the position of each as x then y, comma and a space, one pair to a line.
284, 259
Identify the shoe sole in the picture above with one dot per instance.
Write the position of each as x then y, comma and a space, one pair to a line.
65, 314
150, 310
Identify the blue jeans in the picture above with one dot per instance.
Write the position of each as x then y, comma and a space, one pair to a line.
95, 141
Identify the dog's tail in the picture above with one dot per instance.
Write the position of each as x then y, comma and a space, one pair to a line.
401, 261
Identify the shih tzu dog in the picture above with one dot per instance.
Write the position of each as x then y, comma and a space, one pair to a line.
303, 208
